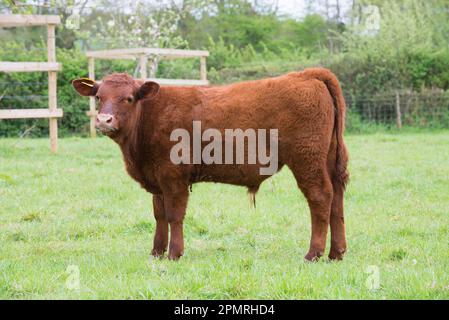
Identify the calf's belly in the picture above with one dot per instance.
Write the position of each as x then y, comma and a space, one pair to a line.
247, 175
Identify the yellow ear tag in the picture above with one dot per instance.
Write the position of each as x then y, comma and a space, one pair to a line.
87, 83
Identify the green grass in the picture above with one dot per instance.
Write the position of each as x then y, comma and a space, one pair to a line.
79, 208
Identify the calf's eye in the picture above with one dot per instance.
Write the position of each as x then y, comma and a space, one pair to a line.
129, 99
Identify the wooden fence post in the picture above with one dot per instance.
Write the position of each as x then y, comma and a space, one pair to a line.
92, 105
143, 66
398, 111
203, 70
52, 83
154, 66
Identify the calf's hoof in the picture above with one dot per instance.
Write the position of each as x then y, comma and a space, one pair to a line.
336, 254
175, 256
313, 256
175, 251
158, 253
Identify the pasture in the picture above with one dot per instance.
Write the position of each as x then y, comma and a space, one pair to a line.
79, 210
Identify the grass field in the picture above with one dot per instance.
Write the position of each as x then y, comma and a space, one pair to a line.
79, 211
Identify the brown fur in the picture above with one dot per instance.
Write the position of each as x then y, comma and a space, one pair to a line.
306, 107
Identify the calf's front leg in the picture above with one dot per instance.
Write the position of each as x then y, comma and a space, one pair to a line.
175, 203
161, 235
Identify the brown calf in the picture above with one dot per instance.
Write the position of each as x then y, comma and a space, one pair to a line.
307, 108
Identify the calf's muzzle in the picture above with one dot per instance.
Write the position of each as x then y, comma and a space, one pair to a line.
105, 123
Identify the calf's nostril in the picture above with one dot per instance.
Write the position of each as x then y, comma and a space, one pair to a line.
104, 119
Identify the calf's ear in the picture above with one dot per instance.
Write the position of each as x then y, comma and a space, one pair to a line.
147, 90
85, 86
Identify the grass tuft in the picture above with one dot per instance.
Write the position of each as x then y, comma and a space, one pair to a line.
398, 255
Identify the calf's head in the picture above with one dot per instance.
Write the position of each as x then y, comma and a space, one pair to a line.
117, 96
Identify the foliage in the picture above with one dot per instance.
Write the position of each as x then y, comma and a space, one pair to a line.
243, 28
132, 25
409, 51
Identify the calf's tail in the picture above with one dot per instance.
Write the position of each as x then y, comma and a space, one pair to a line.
333, 85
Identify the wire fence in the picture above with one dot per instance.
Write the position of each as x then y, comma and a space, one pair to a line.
429, 108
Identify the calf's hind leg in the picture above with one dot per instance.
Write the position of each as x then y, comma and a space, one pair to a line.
161, 234
337, 223
314, 182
